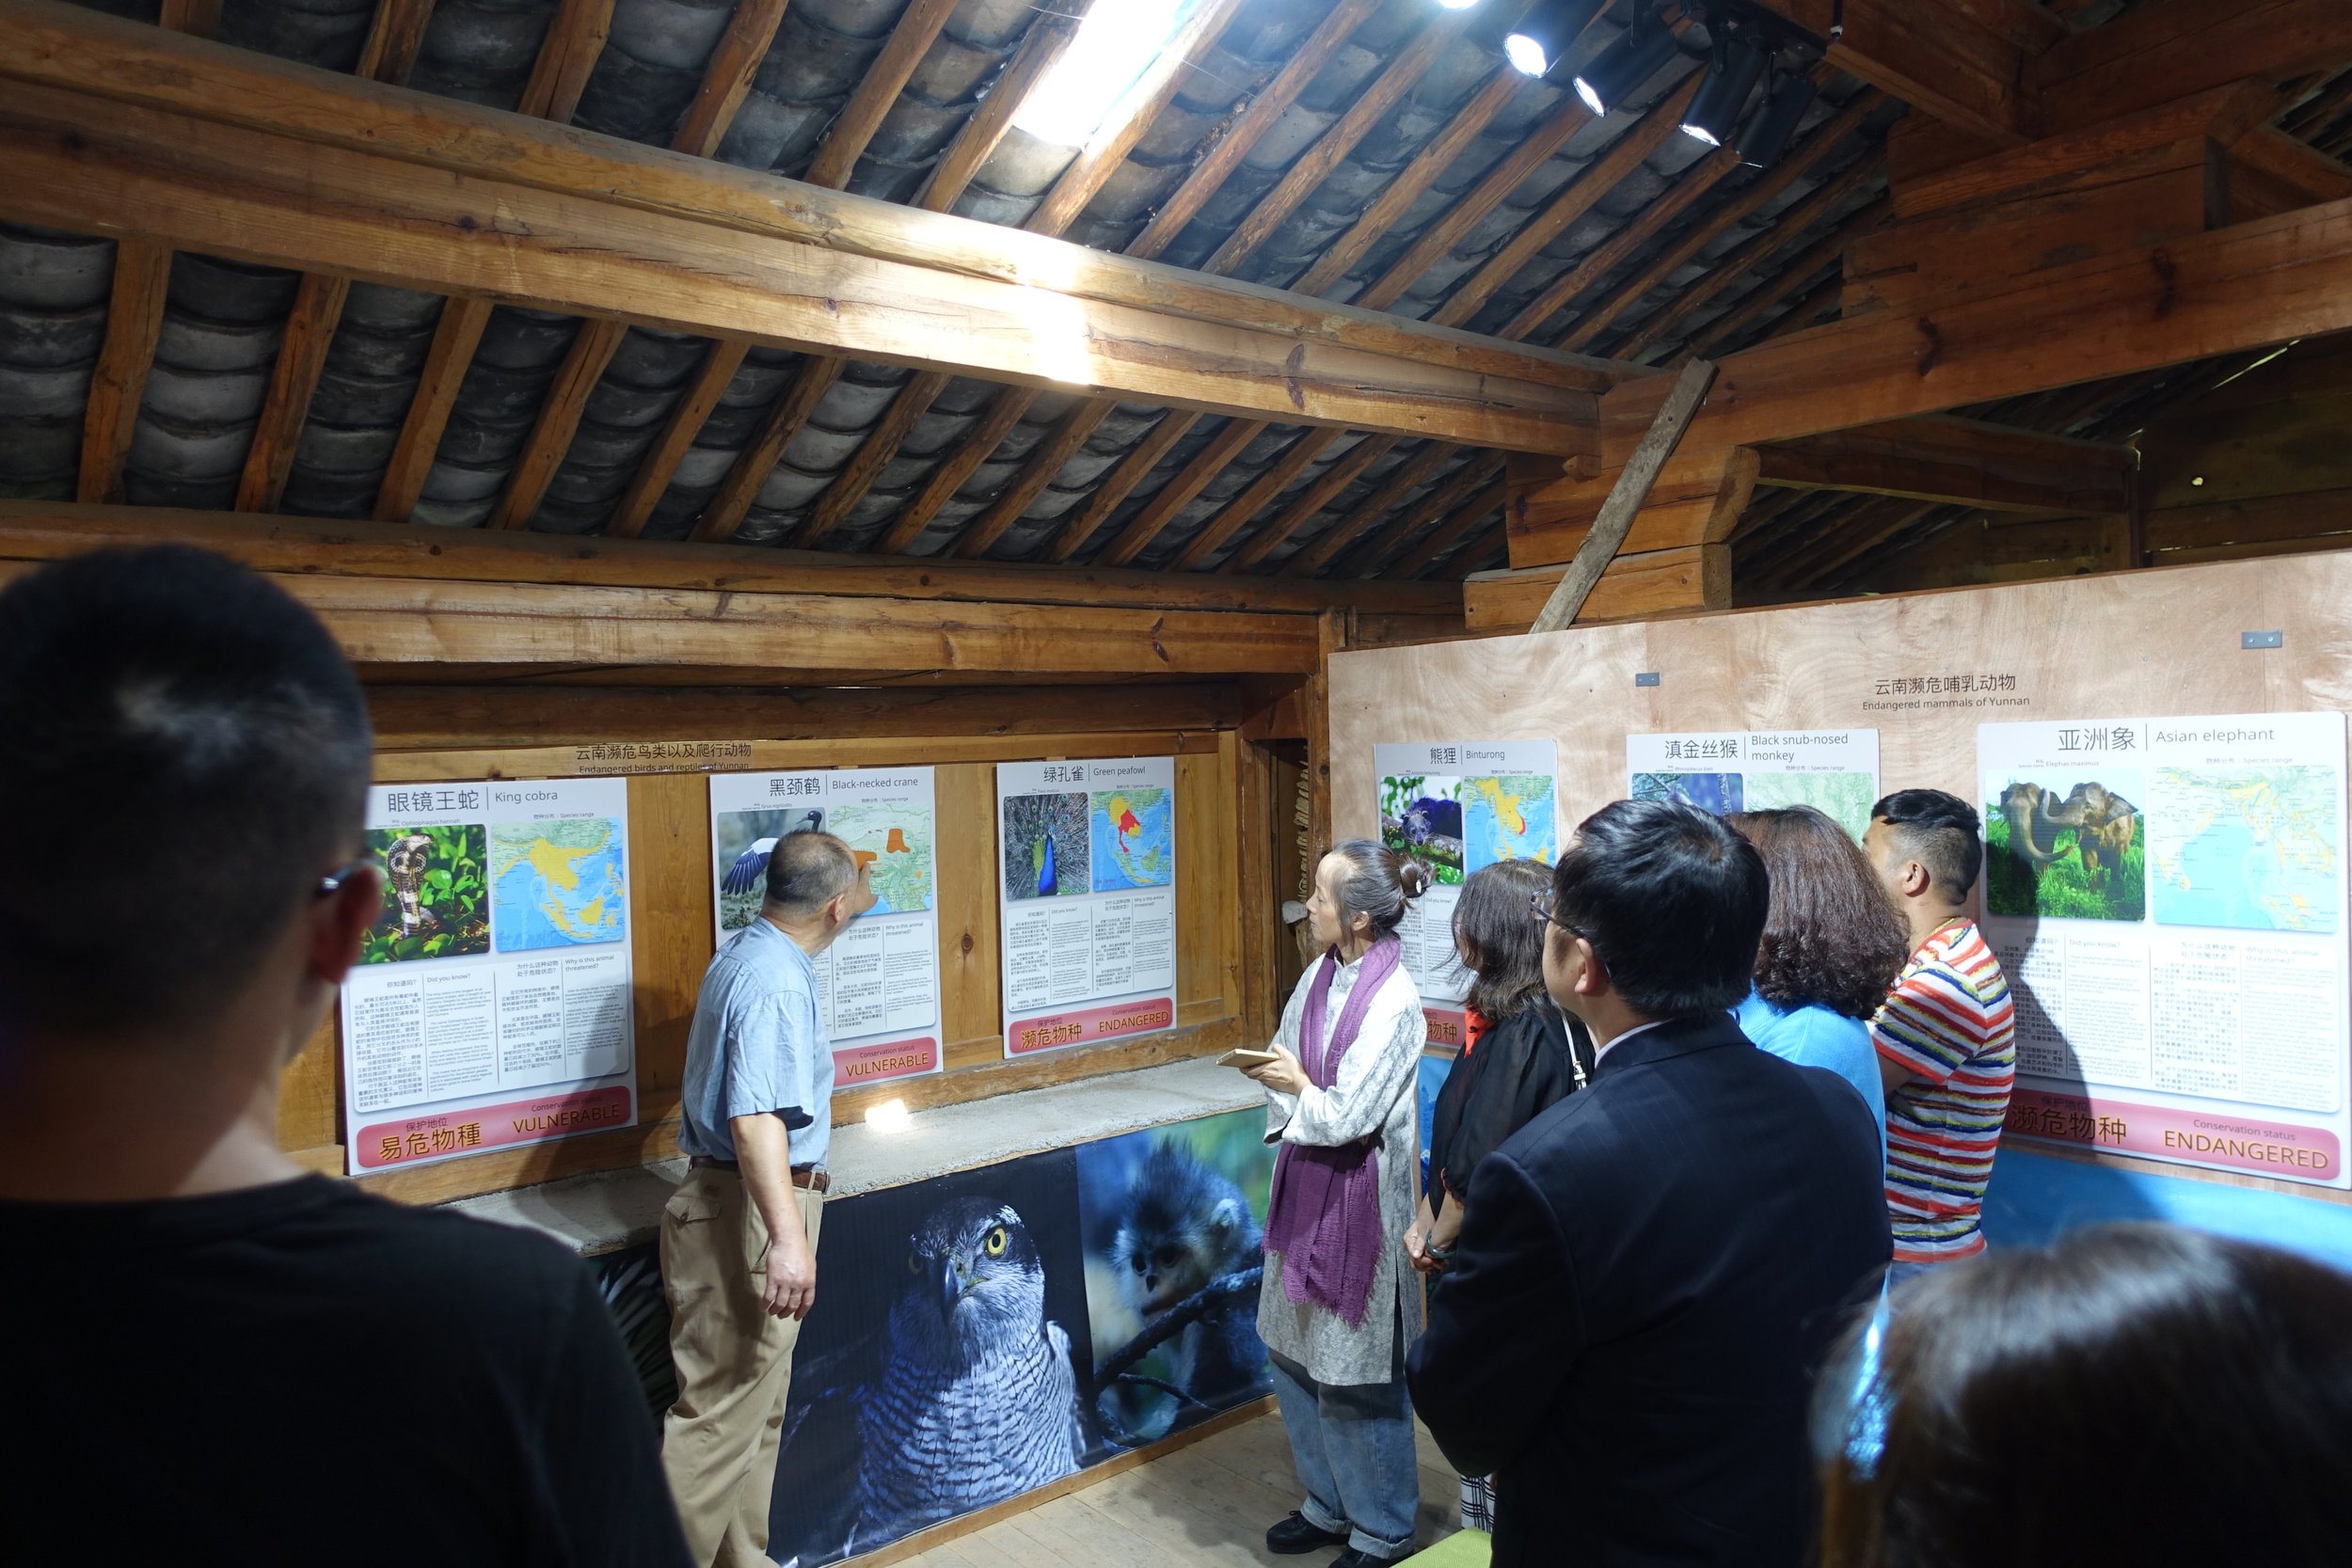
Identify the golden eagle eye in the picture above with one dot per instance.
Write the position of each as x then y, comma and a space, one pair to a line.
996, 1242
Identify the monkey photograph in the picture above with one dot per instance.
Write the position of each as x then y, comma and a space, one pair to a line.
1171, 1221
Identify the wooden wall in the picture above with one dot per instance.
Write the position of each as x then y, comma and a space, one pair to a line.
2145, 643
1225, 898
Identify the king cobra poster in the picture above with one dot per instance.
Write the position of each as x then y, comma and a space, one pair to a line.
490, 1005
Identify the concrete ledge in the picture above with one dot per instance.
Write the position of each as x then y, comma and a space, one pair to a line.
608, 1209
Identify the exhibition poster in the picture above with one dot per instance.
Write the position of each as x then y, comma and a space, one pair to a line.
877, 985
490, 1005
1834, 772
2167, 898
1087, 886
1457, 806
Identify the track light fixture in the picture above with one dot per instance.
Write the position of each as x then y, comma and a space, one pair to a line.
1769, 131
1735, 65
1637, 55
1544, 34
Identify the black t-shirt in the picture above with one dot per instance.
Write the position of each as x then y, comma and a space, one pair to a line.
302, 1373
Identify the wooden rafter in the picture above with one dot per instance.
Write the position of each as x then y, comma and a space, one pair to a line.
1618, 248
1743, 204
1312, 166
454, 338
1178, 493
1314, 499
948, 475
309, 330
1957, 461
846, 140
654, 470
135, 320
1402, 481
1479, 510
1235, 513
1448, 494
1271, 101
1051, 34
1804, 268
855, 476
557, 421
567, 58
1036, 472
1595, 181
812, 378
1129, 471
728, 77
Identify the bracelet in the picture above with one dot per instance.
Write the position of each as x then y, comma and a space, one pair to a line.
1441, 1254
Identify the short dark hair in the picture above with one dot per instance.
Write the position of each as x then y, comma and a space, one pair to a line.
807, 871
1493, 920
1938, 830
2133, 1393
1378, 882
1833, 936
163, 706
1671, 900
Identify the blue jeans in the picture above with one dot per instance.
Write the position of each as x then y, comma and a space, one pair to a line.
1353, 1444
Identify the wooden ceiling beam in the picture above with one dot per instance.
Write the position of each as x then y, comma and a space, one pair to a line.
1085, 521
319, 127
724, 513
1802, 268
1051, 34
47, 531
1595, 181
557, 423
1029, 481
856, 476
948, 475
2231, 291
916, 30
135, 320
1253, 497
660, 464
1226, 150
1314, 499
567, 58
1959, 462
1740, 205
1402, 481
1370, 105
455, 336
728, 77
1450, 493
2163, 50
1612, 252
1963, 61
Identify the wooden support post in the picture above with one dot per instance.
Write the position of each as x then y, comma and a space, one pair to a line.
1616, 516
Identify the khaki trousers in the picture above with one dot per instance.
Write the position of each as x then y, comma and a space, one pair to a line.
734, 1363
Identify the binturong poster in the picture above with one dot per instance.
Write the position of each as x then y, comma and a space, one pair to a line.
1086, 885
490, 1005
2167, 898
1458, 806
877, 985
983, 1334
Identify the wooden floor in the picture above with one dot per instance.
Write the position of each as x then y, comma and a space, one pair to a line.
1208, 1503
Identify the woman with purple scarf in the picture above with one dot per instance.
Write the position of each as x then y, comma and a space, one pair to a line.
1340, 1301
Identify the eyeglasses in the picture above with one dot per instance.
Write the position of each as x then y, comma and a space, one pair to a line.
332, 883
1539, 905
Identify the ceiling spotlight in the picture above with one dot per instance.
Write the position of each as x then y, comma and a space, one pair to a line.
1767, 133
1637, 55
1735, 65
1543, 35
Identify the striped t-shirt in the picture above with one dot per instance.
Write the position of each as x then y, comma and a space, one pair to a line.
1947, 1020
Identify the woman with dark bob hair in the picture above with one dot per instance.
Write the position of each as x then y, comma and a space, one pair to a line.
1833, 945
1522, 1057
2134, 1394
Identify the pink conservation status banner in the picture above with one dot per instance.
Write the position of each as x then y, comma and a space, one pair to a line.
1087, 889
2167, 897
408, 1139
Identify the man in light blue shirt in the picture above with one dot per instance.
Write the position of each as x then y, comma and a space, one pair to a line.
739, 1240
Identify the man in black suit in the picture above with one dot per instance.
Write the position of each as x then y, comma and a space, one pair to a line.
1649, 1271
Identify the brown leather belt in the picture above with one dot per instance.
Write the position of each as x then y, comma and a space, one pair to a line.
808, 1177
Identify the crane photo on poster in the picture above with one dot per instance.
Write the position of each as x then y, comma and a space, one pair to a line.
983, 1334
1086, 891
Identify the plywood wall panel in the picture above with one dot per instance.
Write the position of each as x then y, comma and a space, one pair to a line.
2148, 643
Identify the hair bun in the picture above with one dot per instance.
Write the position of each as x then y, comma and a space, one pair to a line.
1415, 878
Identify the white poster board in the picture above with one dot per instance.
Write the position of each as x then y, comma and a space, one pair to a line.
1457, 806
2167, 898
1834, 772
491, 1005
1087, 888
877, 985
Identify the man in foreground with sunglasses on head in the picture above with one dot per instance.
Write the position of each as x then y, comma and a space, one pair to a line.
223, 1358
1649, 1272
